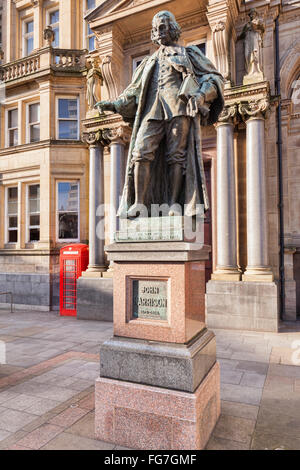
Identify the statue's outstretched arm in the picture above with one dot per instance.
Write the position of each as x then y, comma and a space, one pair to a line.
125, 104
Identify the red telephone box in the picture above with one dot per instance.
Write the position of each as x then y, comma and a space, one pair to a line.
74, 259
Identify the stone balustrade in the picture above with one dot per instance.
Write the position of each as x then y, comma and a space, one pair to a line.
72, 60
68, 58
20, 68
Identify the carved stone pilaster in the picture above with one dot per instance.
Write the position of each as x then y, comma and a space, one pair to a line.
221, 48
222, 16
109, 45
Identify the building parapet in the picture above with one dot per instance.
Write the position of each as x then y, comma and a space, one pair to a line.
46, 59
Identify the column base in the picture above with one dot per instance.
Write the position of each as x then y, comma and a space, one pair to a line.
229, 274
94, 299
94, 272
242, 305
145, 417
263, 274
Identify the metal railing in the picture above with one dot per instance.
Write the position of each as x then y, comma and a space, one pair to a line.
11, 299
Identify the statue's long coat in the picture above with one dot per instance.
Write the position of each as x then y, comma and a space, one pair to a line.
131, 104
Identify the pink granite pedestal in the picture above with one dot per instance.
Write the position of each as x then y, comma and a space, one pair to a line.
161, 344
144, 417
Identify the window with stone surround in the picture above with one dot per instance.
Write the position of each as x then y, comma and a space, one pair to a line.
33, 212
90, 42
28, 36
12, 128
12, 214
67, 118
136, 61
33, 122
67, 211
52, 19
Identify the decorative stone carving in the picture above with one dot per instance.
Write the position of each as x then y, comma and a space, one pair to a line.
92, 137
119, 134
252, 35
221, 48
229, 114
254, 108
94, 81
49, 35
108, 74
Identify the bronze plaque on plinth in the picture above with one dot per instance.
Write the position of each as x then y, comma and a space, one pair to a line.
150, 299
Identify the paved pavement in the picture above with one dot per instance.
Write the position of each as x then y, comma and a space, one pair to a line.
47, 382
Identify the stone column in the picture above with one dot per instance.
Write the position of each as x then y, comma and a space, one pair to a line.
227, 268
258, 268
97, 263
118, 138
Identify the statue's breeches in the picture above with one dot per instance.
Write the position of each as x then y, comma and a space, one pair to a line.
151, 133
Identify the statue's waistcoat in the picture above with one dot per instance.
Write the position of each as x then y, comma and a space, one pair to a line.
162, 100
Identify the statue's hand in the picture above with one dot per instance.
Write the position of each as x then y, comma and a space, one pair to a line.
196, 104
105, 106
199, 98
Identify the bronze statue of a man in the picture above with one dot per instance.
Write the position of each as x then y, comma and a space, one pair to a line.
172, 92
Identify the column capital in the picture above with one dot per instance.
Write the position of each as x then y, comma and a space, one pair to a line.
257, 109
118, 135
94, 138
228, 115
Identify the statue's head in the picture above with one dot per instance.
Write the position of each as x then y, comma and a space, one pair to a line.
165, 29
252, 13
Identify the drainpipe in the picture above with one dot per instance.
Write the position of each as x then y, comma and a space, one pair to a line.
280, 176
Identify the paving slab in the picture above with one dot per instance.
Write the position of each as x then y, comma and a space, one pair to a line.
13, 420
66, 441
46, 389
40, 437
235, 429
267, 441
241, 394
240, 410
216, 443
252, 379
84, 427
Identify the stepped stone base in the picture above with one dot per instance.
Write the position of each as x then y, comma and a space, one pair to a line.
144, 417
169, 365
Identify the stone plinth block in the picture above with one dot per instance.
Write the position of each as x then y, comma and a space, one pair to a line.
95, 299
174, 366
145, 417
242, 305
159, 290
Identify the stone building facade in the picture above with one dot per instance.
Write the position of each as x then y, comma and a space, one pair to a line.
251, 156
43, 161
